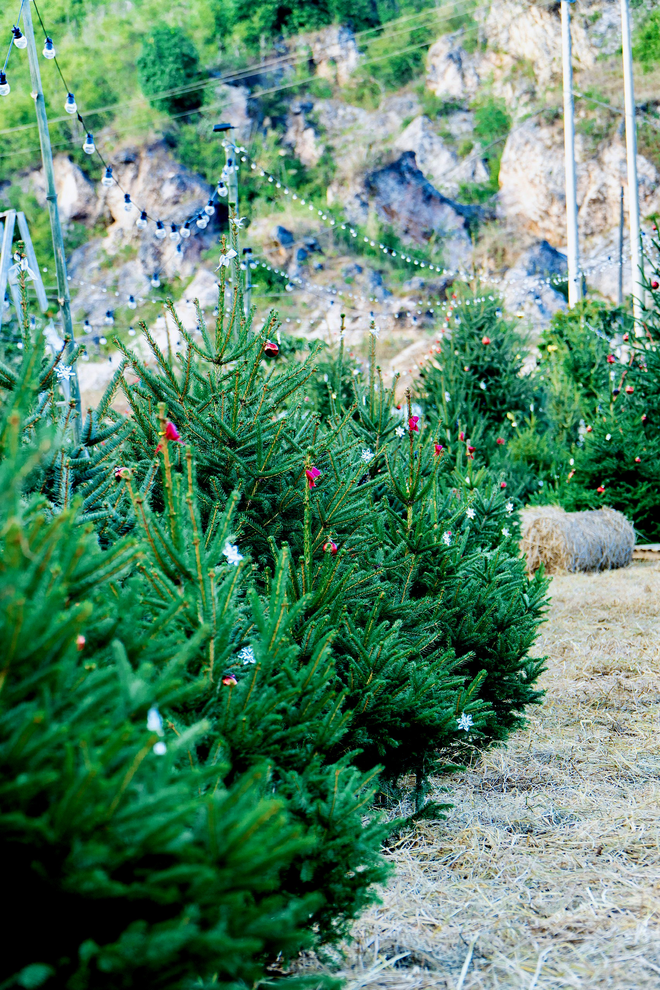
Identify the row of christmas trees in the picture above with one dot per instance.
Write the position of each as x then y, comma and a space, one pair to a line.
236, 623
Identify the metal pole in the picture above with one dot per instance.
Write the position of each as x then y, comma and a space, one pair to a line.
574, 277
51, 198
247, 254
619, 295
636, 261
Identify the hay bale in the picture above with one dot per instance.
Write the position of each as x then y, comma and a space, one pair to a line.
596, 540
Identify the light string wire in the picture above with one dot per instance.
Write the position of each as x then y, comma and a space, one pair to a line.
11, 42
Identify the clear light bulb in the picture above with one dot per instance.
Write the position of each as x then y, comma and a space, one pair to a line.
19, 38
155, 281
174, 233
128, 206
185, 230
49, 49
5, 88
107, 179
160, 230
102, 340
222, 189
88, 147
131, 302
142, 221
202, 221
109, 318
87, 326
70, 105
209, 209
131, 331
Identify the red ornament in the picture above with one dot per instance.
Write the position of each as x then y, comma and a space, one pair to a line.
600, 489
638, 460
502, 484
229, 680
80, 642
412, 424
485, 340
270, 347
312, 474
331, 547
500, 440
611, 359
626, 336
471, 450
655, 285
630, 389
171, 432
438, 449
461, 435
589, 429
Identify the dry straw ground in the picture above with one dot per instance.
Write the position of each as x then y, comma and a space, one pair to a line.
547, 872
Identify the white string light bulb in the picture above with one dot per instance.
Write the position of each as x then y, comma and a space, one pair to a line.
131, 302
131, 331
128, 206
160, 230
19, 38
70, 105
109, 318
87, 326
174, 233
202, 221
142, 221
89, 147
49, 49
222, 189
209, 209
5, 88
107, 179
185, 230
155, 281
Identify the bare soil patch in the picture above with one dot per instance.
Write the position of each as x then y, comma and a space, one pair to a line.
546, 872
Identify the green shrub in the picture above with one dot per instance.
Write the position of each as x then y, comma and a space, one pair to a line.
169, 60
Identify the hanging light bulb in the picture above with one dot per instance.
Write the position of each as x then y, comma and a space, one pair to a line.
131, 331
107, 179
142, 221
89, 147
222, 189
131, 302
174, 233
209, 209
19, 38
70, 105
128, 206
109, 318
185, 230
87, 326
5, 88
202, 221
102, 340
155, 281
49, 49
160, 230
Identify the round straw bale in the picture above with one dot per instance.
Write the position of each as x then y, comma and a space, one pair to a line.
596, 540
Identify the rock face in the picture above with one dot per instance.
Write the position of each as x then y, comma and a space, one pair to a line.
436, 160
403, 197
76, 195
450, 72
525, 291
301, 135
335, 53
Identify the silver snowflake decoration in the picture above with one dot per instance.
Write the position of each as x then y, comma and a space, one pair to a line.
447, 397
470, 513
237, 222
506, 531
509, 507
400, 431
482, 385
247, 655
465, 722
154, 721
64, 372
446, 538
374, 331
367, 455
231, 553
225, 259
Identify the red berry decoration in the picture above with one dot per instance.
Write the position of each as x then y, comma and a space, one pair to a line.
270, 347
485, 340
461, 435
630, 389
626, 336
600, 489
80, 642
502, 484
229, 680
655, 285
312, 474
638, 460
500, 441
589, 429
611, 359
331, 547
438, 449
412, 424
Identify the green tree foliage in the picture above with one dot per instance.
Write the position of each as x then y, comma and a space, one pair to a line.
169, 61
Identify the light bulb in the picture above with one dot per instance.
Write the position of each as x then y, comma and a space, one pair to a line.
109, 318
131, 302
131, 331
87, 326
102, 340
185, 230
155, 281
107, 179
19, 38
160, 230
71, 106
141, 222
128, 206
222, 189
88, 146
202, 221
209, 209
5, 88
49, 49
174, 233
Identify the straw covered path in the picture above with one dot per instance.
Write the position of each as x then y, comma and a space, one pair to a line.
547, 871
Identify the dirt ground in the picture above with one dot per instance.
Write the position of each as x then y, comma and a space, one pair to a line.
547, 871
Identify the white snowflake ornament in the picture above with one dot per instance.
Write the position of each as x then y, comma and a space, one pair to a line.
465, 722
232, 554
